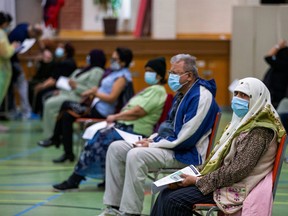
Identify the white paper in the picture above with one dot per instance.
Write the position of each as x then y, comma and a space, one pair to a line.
233, 85
63, 83
128, 137
91, 130
174, 177
26, 45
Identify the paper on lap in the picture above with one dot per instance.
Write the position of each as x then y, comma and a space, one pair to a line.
174, 177
128, 137
63, 83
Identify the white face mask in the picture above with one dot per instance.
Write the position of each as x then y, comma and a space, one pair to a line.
59, 52
88, 62
151, 78
115, 66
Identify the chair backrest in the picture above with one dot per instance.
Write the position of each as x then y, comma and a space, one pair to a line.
165, 111
125, 96
213, 133
280, 154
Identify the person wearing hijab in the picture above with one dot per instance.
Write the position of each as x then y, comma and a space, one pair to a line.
104, 103
6, 52
79, 81
138, 116
242, 157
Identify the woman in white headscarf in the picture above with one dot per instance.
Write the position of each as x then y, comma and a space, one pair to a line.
242, 157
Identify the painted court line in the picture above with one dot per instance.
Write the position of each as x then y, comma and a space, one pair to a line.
21, 154
38, 204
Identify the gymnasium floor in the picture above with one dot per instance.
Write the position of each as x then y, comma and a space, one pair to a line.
27, 173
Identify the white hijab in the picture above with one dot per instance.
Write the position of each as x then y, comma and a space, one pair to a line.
259, 98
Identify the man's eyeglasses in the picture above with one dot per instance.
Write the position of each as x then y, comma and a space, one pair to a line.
173, 72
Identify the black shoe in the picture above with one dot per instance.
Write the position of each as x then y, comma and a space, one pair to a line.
65, 186
48, 142
63, 158
101, 185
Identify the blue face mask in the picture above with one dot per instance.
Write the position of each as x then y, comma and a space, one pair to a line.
240, 106
174, 83
88, 62
59, 52
115, 66
150, 78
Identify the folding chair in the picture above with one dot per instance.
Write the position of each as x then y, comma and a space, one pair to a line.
156, 173
83, 123
279, 158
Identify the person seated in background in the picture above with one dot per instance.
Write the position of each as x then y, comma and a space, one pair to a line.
64, 66
44, 68
276, 78
138, 116
79, 81
180, 140
6, 52
20, 33
242, 157
104, 103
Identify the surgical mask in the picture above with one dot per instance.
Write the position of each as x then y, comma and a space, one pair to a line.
240, 106
115, 66
150, 78
59, 52
7, 29
88, 62
174, 83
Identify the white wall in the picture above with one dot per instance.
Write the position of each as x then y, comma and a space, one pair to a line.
255, 30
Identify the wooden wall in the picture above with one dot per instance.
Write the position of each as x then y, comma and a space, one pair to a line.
212, 55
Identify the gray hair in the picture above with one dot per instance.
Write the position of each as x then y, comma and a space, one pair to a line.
189, 62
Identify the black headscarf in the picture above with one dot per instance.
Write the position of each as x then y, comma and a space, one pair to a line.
97, 59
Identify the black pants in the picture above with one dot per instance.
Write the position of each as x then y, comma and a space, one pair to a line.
63, 130
179, 202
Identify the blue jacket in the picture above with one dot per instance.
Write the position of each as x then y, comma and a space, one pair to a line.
193, 122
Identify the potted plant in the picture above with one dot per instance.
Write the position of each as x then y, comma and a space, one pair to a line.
111, 8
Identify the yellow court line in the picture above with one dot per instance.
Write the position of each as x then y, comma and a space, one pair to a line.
280, 203
36, 167
27, 192
281, 194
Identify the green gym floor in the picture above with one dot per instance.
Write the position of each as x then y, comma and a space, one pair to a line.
27, 173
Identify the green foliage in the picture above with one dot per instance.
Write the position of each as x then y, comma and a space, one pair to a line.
107, 5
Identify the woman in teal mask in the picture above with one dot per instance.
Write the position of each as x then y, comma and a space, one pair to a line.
242, 157
138, 116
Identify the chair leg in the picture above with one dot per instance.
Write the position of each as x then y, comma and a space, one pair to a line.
153, 195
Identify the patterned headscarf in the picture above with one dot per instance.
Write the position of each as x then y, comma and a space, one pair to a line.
261, 114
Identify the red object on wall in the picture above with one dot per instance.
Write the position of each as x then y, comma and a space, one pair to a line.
51, 12
142, 18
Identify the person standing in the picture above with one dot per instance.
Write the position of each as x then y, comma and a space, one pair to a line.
276, 78
20, 33
6, 52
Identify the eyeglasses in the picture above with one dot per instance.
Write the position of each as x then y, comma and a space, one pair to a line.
173, 72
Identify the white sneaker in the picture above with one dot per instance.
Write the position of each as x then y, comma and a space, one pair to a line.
109, 211
3, 129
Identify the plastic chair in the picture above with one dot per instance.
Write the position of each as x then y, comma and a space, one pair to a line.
156, 173
279, 158
165, 111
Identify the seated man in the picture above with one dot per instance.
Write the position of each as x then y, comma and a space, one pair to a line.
182, 139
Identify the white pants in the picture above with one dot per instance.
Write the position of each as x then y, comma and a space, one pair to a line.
126, 171
22, 88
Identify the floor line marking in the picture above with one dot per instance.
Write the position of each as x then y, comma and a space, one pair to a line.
21, 154
38, 204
